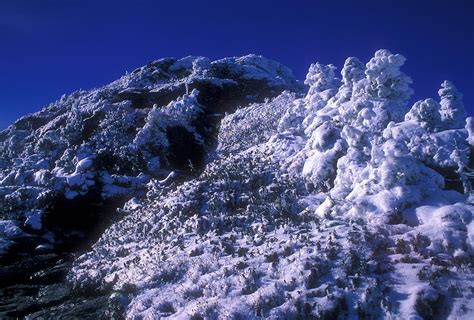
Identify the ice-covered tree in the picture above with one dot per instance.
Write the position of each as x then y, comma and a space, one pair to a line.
385, 78
375, 94
353, 71
470, 130
322, 82
462, 170
426, 113
452, 108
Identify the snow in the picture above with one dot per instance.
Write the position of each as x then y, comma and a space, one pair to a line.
350, 160
426, 113
342, 201
168, 178
8, 231
44, 247
83, 165
122, 128
470, 130
33, 219
452, 109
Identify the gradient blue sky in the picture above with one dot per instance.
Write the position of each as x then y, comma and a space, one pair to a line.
51, 47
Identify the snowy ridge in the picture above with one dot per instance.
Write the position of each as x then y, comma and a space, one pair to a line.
346, 203
74, 162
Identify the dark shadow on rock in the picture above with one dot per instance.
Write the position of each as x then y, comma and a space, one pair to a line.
79, 222
185, 152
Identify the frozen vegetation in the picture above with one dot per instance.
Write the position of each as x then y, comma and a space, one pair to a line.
244, 194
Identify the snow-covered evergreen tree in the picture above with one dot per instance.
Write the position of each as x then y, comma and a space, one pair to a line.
426, 113
452, 110
322, 82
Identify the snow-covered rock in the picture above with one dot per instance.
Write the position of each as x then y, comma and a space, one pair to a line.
99, 148
8, 232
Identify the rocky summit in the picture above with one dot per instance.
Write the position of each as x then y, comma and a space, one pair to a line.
199, 189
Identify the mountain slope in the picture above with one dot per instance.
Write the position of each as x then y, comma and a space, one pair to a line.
65, 170
343, 202
334, 204
67, 167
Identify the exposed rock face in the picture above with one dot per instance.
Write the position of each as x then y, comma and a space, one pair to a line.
341, 202
35, 286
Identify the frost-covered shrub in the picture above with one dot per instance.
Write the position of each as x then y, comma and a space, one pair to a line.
152, 137
320, 167
352, 72
292, 120
182, 112
252, 125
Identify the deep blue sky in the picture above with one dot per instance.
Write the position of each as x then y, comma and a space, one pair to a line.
51, 47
